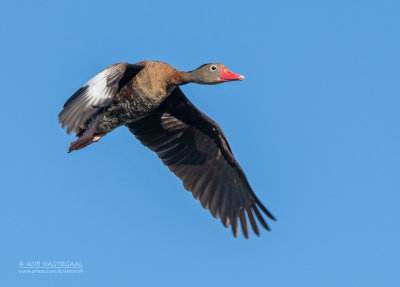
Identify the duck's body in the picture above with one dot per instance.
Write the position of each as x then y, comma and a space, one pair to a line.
142, 87
146, 98
141, 95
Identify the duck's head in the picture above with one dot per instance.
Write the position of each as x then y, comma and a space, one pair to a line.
211, 74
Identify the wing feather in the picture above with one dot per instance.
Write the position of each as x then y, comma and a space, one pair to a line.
96, 94
194, 148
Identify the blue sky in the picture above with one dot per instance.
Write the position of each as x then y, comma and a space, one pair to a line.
315, 126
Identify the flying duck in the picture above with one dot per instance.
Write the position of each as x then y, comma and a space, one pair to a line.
146, 98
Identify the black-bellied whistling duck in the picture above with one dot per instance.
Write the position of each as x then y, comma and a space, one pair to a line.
147, 99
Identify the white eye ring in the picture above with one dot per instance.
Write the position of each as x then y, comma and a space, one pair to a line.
213, 68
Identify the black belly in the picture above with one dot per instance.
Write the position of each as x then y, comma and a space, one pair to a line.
129, 106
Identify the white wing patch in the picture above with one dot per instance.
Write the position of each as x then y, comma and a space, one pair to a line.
96, 93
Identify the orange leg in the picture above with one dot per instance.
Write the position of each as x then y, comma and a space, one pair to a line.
88, 137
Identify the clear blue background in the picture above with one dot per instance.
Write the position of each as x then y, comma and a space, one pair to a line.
315, 125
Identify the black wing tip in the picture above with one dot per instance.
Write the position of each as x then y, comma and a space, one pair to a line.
234, 227
75, 95
253, 213
266, 211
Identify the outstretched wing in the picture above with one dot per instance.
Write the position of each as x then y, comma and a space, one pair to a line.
195, 149
96, 94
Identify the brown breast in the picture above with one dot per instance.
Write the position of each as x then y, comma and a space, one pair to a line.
150, 87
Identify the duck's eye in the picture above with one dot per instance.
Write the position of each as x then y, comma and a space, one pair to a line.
213, 68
